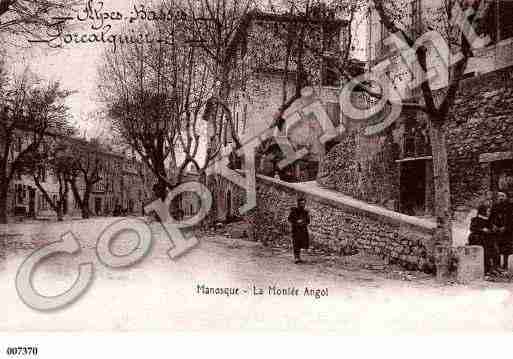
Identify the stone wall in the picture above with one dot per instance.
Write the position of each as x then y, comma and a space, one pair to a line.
337, 220
481, 123
227, 198
363, 167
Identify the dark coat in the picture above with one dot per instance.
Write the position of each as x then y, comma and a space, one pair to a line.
501, 220
481, 235
299, 219
478, 235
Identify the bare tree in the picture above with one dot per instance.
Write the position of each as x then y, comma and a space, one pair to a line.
31, 111
138, 103
89, 162
306, 43
216, 27
437, 109
54, 156
310, 40
157, 95
33, 19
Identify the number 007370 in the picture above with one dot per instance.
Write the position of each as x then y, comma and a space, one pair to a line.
21, 351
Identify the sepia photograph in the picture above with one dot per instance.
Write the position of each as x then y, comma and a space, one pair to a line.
255, 166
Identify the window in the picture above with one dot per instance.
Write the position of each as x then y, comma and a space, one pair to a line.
329, 72
244, 118
497, 22
383, 48
505, 27
20, 195
415, 18
330, 43
330, 37
415, 139
501, 174
227, 136
42, 174
43, 203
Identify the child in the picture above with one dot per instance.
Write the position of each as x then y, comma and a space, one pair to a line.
480, 235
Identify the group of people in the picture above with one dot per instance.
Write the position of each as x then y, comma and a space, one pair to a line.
492, 228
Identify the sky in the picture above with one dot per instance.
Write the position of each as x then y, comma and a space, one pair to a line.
75, 69
75, 65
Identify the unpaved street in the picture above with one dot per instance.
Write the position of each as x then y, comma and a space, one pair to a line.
162, 294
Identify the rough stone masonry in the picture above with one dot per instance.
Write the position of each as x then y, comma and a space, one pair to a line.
338, 220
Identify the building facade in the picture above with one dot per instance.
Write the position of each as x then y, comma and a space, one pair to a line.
394, 168
124, 182
256, 102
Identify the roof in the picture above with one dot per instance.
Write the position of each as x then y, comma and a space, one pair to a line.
263, 16
257, 15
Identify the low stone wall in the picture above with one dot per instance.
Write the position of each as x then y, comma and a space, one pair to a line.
338, 220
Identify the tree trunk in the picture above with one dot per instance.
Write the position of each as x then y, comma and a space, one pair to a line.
443, 231
86, 213
85, 209
65, 202
211, 183
4, 188
441, 183
161, 189
59, 213
56, 206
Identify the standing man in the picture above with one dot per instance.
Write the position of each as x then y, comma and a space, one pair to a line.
299, 220
500, 219
480, 235
507, 244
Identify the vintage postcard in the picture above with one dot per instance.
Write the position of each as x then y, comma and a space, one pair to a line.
256, 165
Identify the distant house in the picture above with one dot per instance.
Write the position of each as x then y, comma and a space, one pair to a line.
120, 184
260, 96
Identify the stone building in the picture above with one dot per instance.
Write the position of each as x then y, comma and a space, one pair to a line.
394, 168
135, 185
189, 203
121, 184
262, 93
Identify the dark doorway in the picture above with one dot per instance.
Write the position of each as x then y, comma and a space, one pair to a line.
65, 205
32, 202
229, 206
97, 206
413, 187
501, 174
